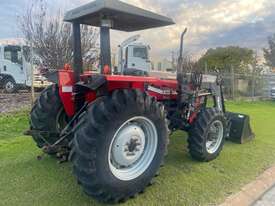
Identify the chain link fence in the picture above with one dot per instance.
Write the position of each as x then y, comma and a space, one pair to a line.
243, 86
248, 86
236, 86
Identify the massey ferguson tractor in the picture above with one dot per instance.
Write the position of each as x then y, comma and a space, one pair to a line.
115, 128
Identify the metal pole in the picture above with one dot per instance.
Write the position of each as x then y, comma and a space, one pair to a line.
233, 82
105, 49
253, 84
32, 78
77, 57
206, 68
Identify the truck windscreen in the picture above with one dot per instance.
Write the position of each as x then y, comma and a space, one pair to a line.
13, 54
140, 52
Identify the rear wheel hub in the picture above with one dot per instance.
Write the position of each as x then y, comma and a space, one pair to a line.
129, 145
133, 148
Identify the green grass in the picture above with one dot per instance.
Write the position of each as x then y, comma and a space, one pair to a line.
26, 181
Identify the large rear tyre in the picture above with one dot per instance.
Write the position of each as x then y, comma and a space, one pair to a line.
47, 118
119, 145
207, 135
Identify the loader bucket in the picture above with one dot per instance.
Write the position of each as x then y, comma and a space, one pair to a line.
239, 128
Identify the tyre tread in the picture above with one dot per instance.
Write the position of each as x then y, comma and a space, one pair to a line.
84, 161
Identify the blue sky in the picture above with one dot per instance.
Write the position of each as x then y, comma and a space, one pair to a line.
211, 23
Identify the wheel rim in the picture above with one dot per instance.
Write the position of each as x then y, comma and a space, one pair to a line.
9, 86
133, 148
214, 137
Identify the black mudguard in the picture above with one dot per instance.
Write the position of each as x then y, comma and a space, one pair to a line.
94, 83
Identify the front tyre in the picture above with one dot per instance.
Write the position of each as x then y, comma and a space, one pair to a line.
207, 135
10, 86
119, 145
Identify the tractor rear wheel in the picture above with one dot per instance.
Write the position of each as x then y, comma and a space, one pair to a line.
207, 135
47, 118
119, 145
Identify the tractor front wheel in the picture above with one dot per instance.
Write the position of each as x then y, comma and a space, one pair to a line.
207, 135
119, 145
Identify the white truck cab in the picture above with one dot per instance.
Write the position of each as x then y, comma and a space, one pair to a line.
14, 67
133, 58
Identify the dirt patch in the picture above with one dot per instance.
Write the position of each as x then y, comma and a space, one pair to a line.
14, 102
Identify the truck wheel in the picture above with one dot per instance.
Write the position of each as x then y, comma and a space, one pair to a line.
10, 86
47, 115
207, 135
119, 145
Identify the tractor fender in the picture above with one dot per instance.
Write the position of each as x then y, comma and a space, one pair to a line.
93, 83
96, 81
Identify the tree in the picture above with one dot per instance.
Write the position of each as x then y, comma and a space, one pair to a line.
223, 58
269, 53
189, 64
51, 37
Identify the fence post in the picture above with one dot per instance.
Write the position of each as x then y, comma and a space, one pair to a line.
253, 84
205, 68
32, 78
232, 82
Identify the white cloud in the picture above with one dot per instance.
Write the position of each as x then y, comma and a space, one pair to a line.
207, 20
203, 19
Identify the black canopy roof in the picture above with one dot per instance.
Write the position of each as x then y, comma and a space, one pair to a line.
124, 17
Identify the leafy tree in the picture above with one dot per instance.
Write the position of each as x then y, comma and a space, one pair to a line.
269, 53
223, 58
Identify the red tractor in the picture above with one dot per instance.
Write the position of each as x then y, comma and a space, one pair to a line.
115, 128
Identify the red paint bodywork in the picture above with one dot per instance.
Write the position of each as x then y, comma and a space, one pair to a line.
66, 81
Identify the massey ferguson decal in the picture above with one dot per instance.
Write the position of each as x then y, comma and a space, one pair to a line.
163, 91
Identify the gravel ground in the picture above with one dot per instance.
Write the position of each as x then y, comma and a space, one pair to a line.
14, 102
267, 199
